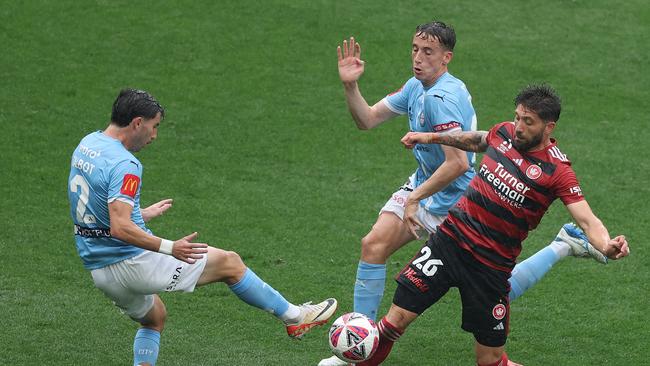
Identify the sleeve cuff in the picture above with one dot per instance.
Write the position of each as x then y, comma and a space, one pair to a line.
391, 107
122, 199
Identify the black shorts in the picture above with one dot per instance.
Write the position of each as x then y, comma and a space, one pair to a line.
442, 264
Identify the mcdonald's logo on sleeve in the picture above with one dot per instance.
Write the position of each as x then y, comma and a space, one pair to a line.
130, 185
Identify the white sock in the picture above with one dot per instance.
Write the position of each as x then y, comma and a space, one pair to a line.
292, 314
560, 248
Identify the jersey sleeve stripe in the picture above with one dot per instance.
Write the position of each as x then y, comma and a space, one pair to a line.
504, 134
122, 199
556, 153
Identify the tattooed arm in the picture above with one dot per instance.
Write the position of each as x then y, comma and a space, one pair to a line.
465, 140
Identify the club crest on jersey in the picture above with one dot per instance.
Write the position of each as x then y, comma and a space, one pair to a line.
130, 185
421, 119
499, 311
533, 172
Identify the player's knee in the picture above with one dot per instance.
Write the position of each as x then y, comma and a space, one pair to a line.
234, 262
373, 249
227, 265
156, 317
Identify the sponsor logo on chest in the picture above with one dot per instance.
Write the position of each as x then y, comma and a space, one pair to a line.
506, 185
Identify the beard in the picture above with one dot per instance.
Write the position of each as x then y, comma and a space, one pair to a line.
527, 145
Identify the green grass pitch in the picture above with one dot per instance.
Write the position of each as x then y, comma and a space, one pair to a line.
261, 156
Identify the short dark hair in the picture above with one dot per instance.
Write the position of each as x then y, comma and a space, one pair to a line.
440, 31
541, 99
132, 103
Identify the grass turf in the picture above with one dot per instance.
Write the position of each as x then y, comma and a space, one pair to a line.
261, 156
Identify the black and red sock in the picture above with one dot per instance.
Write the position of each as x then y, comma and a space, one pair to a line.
388, 335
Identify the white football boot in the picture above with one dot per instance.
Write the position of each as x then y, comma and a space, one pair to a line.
311, 316
580, 246
332, 361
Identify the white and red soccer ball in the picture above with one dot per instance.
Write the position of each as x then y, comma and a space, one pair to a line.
353, 337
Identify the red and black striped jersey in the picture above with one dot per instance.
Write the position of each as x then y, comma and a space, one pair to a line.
508, 197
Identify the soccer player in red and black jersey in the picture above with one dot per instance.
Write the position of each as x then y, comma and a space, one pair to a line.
521, 174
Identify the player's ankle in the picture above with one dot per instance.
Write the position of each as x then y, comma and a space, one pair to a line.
560, 248
292, 315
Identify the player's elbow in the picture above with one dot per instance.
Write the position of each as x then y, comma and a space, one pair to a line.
368, 120
463, 165
118, 231
459, 165
363, 124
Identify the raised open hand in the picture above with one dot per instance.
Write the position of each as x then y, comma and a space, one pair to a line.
350, 63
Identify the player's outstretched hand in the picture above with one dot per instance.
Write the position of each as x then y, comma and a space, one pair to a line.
412, 138
410, 217
157, 209
350, 63
617, 248
187, 251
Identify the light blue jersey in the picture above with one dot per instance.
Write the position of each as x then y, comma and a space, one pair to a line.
102, 170
445, 106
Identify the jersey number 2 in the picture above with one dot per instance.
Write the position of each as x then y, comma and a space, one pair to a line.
430, 266
80, 185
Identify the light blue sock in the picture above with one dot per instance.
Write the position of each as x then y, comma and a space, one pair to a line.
255, 292
530, 271
145, 346
369, 288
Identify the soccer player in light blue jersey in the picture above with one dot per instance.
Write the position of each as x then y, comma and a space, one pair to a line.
434, 101
127, 261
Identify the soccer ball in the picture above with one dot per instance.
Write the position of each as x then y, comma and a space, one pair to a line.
353, 337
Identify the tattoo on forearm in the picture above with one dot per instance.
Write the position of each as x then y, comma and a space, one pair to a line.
467, 140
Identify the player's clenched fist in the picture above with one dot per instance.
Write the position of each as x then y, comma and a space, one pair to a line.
617, 248
412, 138
187, 251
